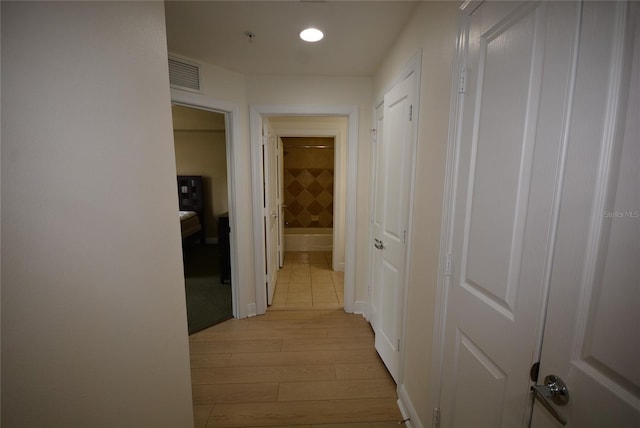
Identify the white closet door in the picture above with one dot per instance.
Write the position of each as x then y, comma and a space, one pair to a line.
518, 74
391, 221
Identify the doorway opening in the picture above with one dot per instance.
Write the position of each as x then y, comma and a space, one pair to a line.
202, 185
306, 278
271, 126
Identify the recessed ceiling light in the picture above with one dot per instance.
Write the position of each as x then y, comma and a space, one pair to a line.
311, 35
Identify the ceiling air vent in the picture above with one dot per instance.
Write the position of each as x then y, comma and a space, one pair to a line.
184, 75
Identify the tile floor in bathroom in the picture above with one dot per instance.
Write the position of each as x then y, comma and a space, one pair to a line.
306, 281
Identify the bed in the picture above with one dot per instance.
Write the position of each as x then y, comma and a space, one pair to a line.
190, 200
189, 223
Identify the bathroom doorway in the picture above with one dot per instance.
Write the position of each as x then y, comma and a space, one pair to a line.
306, 278
337, 133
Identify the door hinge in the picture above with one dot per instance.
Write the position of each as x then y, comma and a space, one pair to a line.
404, 236
410, 113
463, 80
436, 418
447, 267
374, 135
398, 350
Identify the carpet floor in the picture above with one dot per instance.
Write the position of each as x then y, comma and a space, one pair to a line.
208, 300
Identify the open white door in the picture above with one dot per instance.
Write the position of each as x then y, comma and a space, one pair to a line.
518, 77
280, 202
390, 239
591, 337
271, 212
377, 210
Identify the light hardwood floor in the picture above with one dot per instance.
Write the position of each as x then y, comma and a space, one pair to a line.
291, 368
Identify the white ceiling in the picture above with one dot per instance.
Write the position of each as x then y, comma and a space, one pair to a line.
357, 34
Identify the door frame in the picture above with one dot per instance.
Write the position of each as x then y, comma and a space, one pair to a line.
448, 200
257, 112
232, 130
269, 138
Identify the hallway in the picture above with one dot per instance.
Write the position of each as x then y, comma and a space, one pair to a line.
302, 368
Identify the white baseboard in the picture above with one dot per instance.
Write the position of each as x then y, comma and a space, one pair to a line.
407, 409
251, 310
360, 307
338, 267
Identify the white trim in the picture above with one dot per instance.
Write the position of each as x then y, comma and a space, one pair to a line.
251, 310
361, 307
373, 163
413, 67
232, 114
257, 173
470, 6
407, 409
604, 192
448, 207
255, 121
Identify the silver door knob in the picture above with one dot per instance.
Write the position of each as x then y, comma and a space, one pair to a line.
554, 389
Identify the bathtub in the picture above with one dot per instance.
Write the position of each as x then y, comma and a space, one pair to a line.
308, 239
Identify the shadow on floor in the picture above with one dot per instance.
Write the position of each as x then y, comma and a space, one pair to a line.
208, 300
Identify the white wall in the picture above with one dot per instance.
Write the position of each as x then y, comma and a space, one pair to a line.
433, 29
94, 325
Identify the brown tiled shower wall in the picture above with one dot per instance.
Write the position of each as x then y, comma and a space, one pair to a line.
308, 187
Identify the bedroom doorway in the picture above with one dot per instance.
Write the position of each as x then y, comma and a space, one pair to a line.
200, 143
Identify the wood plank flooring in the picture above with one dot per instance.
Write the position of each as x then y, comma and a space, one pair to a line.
291, 368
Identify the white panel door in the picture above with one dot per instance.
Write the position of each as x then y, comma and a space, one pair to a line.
377, 204
591, 339
270, 159
518, 73
280, 202
398, 140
